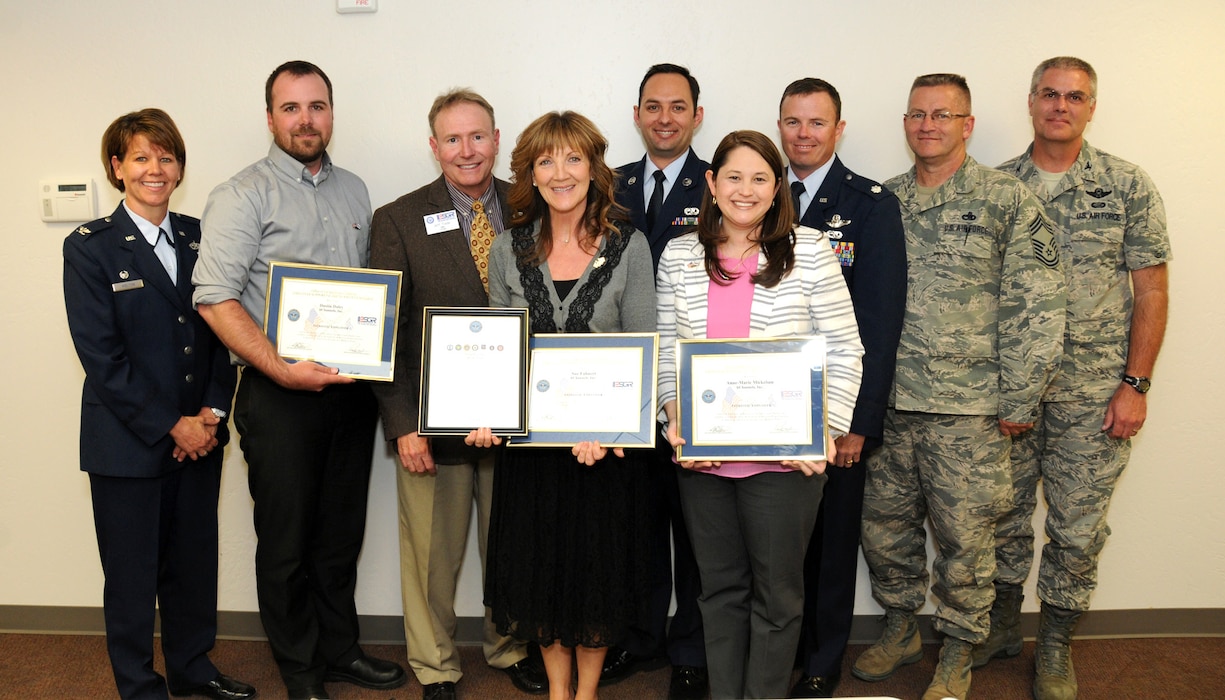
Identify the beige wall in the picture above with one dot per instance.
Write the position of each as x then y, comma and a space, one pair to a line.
71, 67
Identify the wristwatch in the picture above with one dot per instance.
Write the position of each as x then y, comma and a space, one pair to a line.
1140, 384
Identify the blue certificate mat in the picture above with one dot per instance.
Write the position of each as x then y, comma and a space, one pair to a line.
592, 386
751, 400
342, 317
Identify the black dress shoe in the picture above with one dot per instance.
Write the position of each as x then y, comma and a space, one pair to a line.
816, 686
222, 688
620, 664
310, 692
688, 683
369, 672
438, 691
528, 677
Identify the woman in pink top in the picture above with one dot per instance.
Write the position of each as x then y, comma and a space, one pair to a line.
749, 272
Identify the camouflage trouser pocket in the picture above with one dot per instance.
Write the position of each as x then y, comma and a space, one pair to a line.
984, 567
973, 568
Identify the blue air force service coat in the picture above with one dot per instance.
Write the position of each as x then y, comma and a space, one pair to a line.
148, 356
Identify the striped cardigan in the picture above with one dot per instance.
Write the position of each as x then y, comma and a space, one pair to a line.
811, 299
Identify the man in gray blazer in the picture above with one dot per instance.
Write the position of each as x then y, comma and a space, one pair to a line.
438, 237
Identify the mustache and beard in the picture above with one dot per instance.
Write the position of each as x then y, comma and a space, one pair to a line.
305, 145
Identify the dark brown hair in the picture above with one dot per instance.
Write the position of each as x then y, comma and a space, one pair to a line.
547, 134
777, 237
670, 69
297, 69
155, 125
812, 86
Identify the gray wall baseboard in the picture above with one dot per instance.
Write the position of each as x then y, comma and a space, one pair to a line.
389, 629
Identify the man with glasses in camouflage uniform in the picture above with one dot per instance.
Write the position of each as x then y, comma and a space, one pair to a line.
1116, 249
982, 335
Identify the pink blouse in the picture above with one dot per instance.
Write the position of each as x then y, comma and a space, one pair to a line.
728, 317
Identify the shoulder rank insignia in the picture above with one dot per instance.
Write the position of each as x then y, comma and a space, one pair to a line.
686, 182
631, 181
838, 222
83, 230
876, 189
1098, 193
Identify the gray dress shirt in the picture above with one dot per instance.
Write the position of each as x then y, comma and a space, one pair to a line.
275, 211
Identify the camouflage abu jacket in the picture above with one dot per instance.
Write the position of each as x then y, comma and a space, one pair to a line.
1111, 220
983, 332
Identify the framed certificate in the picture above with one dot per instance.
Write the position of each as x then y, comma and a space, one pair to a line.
752, 400
592, 386
473, 371
342, 317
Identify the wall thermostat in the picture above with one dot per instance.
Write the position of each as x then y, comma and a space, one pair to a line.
67, 200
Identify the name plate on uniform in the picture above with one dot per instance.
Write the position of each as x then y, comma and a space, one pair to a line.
342, 317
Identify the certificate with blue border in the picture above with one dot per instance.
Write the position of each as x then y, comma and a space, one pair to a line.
592, 386
342, 317
751, 399
473, 371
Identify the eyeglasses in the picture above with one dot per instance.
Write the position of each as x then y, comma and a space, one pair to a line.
1075, 97
939, 117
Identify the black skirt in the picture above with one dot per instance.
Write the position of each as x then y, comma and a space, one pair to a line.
567, 557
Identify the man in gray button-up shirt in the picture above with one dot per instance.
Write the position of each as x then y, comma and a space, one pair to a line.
307, 432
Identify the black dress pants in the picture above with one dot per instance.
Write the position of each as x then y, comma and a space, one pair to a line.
157, 538
308, 457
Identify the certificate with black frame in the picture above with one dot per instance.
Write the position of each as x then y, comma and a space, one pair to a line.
342, 317
751, 399
592, 386
473, 371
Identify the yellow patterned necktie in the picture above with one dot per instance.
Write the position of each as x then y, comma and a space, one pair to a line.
479, 240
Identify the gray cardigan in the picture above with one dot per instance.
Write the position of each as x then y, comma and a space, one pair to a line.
625, 305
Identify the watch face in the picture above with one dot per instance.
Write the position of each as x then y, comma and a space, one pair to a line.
1144, 385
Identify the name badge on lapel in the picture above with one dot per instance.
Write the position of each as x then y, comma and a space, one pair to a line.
442, 221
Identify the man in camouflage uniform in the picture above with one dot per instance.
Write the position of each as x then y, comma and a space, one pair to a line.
1114, 232
981, 339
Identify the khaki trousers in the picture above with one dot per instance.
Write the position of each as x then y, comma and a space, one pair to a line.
435, 510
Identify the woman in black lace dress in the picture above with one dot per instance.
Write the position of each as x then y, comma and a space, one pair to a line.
566, 559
